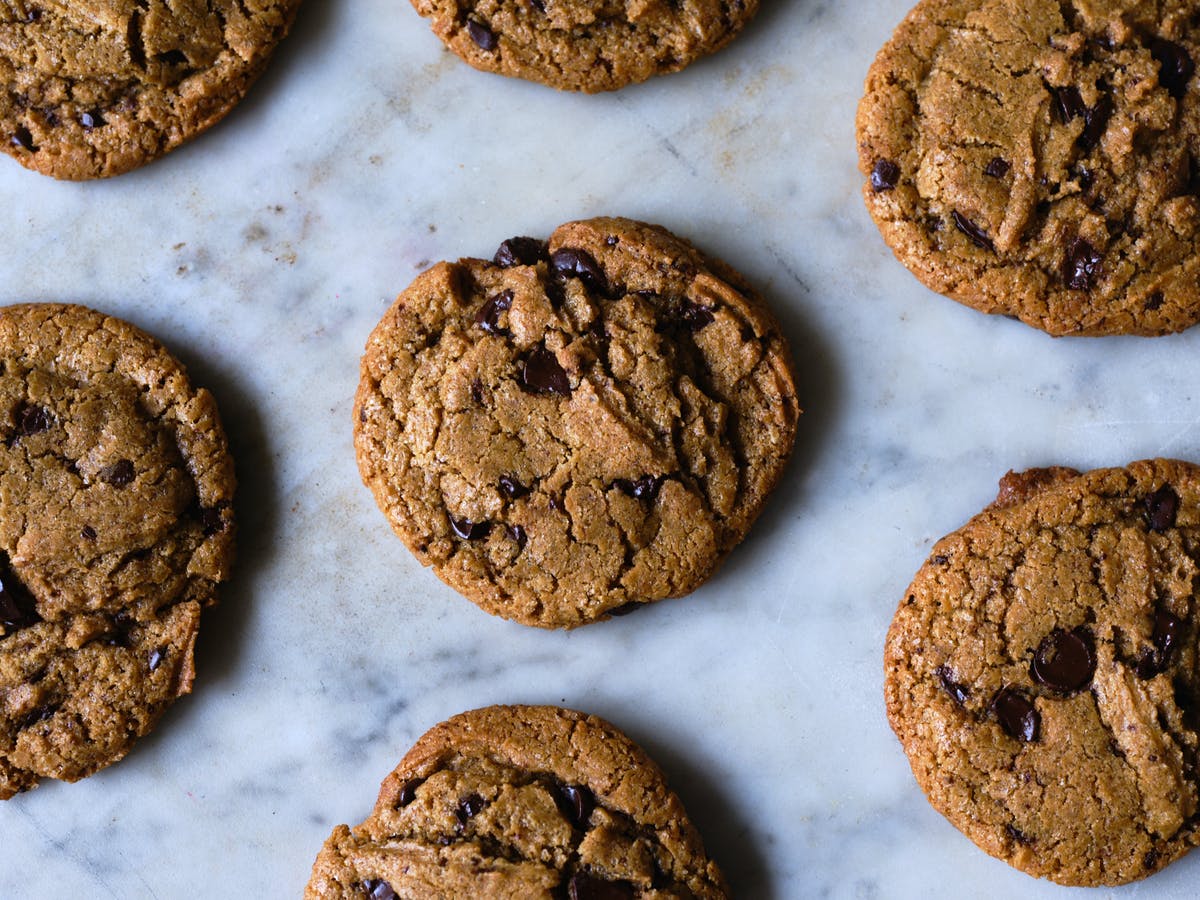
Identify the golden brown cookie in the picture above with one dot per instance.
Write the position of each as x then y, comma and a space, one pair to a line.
115, 528
94, 88
575, 427
578, 45
530, 802
1042, 160
1043, 672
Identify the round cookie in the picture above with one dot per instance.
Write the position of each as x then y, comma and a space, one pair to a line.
575, 427
1043, 672
575, 45
1042, 160
94, 89
520, 801
115, 528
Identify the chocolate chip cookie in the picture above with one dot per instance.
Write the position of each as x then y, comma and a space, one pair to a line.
1042, 160
1043, 673
115, 528
574, 45
520, 801
575, 427
93, 88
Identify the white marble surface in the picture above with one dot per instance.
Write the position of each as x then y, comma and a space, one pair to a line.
264, 252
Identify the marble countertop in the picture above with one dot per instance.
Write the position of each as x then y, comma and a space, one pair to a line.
265, 251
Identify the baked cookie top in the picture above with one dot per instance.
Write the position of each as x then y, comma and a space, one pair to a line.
94, 88
115, 528
578, 426
1042, 672
586, 45
521, 802
1042, 160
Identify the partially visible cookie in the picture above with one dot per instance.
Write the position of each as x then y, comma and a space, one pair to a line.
115, 528
1043, 672
520, 802
1042, 160
576, 45
93, 89
578, 426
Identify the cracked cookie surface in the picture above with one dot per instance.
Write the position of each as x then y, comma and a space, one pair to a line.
1042, 160
521, 802
585, 45
1043, 672
578, 426
94, 88
115, 528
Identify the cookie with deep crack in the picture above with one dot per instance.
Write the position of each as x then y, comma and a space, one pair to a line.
1042, 160
521, 801
93, 89
115, 528
1043, 673
583, 46
578, 426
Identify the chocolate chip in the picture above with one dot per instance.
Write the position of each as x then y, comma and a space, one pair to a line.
695, 316
644, 488
1064, 660
468, 807
1095, 120
1175, 66
519, 251
1068, 102
33, 15
211, 521
23, 139
997, 168
477, 391
40, 714
583, 886
539, 5
541, 374
1016, 714
884, 176
378, 889
1081, 265
469, 531
977, 235
408, 792
612, 240
118, 633
93, 119
939, 560
157, 655
1154, 301
1168, 629
1161, 508
958, 691
1017, 835
577, 802
482, 35
88, 533
17, 607
567, 262
517, 533
488, 316
119, 474
32, 419
512, 488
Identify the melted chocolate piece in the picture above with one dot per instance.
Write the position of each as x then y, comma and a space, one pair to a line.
950, 686
1081, 265
997, 168
517, 533
119, 474
542, 374
408, 792
211, 520
520, 251
157, 655
1065, 660
1168, 629
939, 560
1154, 301
93, 119
695, 316
17, 607
1161, 508
469, 531
977, 235
1017, 715
32, 419
1017, 835
512, 488
576, 802
488, 317
468, 807
583, 886
1068, 102
1095, 120
483, 36
378, 889
40, 714
88, 533
645, 488
884, 176
122, 624
477, 391
23, 139
568, 262
1175, 66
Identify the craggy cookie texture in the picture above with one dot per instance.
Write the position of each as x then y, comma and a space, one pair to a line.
584, 45
521, 802
575, 427
1043, 672
1042, 159
94, 88
115, 527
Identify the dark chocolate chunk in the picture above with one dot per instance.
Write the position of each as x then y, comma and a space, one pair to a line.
378, 889
1175, 66
1017, 835
1168, 629
408, 792
512, 488
1065, 660
23, 139
884, 176
583, 886
997, 168
1081, 265
32, 419
40, 714
567, 262
93, 119
482, 35
488, 317
977, 235
468, 807
520, 251
1161, 508
17, 607
157, 655
211, 520
469, 531
477, 391
1154, 301
1068, 102
695, 316
576, 802
958, 691
644, 488
1017, 715
1150, 859
939, 559
88, 533
517, 533
541, 374
119, 474
1095, 120
118, 634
